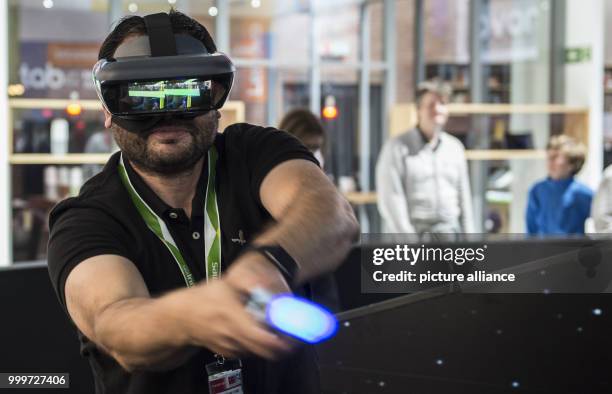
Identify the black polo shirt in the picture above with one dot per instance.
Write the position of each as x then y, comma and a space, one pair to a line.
103, 220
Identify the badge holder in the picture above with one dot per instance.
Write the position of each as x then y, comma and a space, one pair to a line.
224, 376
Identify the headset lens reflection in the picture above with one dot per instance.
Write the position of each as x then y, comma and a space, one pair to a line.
170, 95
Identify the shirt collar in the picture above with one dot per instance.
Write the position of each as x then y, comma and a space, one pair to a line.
158, 206
560, 182
434, 143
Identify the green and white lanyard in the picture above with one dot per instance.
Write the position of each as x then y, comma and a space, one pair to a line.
212, 228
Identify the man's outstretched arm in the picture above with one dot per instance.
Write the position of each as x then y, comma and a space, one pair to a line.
108, 300
314, 222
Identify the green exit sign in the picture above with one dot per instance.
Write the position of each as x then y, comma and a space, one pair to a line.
577, 55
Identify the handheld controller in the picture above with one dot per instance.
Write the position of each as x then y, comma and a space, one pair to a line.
293, 316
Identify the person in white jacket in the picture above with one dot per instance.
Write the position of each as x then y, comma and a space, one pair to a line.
421, 175
601, 209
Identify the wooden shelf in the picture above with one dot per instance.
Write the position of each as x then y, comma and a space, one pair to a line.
53, 104
505, 154
461, 88
361, 198
365, 198
496, 109
21, 103
68, 159
102, 158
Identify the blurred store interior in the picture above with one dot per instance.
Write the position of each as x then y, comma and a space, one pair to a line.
521, 71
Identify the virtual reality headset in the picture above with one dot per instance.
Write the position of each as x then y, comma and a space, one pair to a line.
163, 73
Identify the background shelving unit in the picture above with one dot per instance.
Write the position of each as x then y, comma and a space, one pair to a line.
232, 112
457, 74
29, 193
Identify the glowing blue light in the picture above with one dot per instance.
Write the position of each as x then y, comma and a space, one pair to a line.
516, 384
597, 312
301, 319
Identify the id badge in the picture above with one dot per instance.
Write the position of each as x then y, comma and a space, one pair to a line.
225, 377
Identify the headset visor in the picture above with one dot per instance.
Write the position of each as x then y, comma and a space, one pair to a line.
166, 95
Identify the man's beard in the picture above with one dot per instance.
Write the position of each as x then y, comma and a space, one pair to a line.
135, 146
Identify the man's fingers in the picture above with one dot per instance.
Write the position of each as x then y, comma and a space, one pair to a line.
236, 332
258, 340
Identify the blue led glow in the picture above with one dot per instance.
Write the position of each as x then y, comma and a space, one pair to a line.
301, 319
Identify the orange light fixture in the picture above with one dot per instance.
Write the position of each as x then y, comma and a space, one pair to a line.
330, 110
74, 109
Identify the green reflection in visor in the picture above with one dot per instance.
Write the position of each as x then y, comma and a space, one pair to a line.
167, 91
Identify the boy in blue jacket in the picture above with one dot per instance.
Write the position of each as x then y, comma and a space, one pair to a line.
560, 204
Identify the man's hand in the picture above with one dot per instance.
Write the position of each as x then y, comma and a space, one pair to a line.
253, 270
236, 332
220, 322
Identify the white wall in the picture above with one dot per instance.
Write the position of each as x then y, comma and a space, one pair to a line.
608, 33
584, 81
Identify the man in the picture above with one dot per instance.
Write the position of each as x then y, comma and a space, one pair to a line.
178, 207
559, 204
601, 209
421, 175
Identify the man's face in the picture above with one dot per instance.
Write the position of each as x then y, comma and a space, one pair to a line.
171, 146
433, 112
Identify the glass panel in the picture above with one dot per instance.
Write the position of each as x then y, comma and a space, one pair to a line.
200, 10
53, 49
251, 87
340, 116
292, 91
516, 48
271, 29
514, 38
337, 30
270, 93
376, 32
404, 37
446, 44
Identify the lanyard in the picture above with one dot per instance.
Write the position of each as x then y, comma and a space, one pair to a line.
212, 228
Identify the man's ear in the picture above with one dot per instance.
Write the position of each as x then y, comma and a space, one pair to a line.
107, 118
